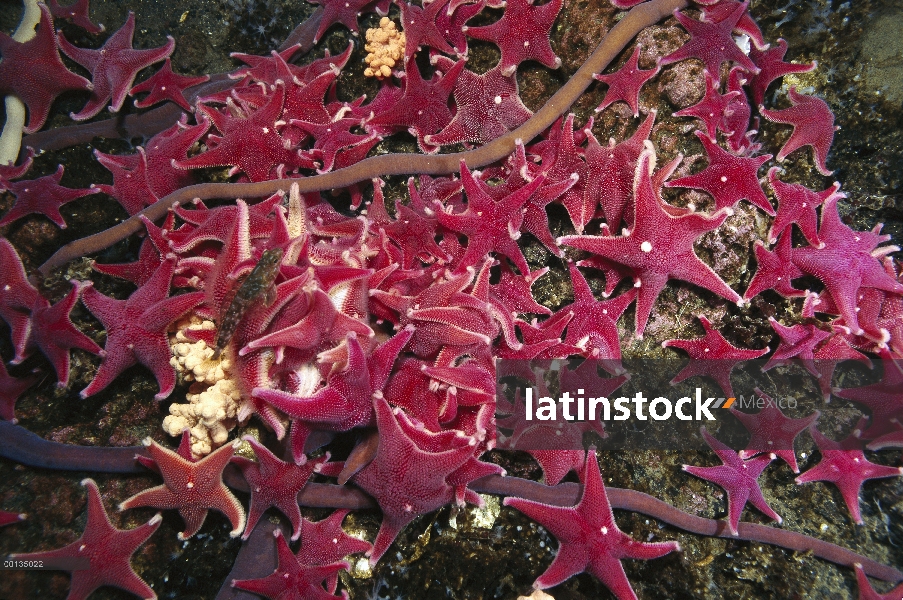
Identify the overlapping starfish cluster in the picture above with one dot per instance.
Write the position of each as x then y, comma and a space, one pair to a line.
392, 318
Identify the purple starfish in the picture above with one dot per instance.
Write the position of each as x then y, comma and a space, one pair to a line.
166, 85
712, 43
588, 537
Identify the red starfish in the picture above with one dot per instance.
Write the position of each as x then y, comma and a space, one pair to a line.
401, 465
490, 225
421, 29
106, 549
728, 178
166, 85
192, 487
867, 592
588, 537
735, 121
844, 465
113, 67
712, 43
11, 171
346, 12
33, 72
346, 401
136, 329
17, 299
488, 106
813, 125
593, 330
250, 142
610, 175
44, 196
423, 107
771, 431
413, 230
76, 13
711, 355
796, 341
275, 483
738, 478
772, 66
797, 204
292, 580
775, 270
625, 83
660, 246
10, 390
712, 108
522, 34
847, 261
54, 334
883, 399
8, 518
718, 10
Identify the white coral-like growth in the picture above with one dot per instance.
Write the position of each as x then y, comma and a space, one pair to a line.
385, 45
213, 399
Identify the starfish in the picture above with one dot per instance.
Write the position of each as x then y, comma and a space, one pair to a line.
796, 341
712, 43
34, 72
522, 34
106, 549
625, 83
738, 477
192, 488
292, 580
867, 592
771, 431
166, 85
113, 67
610, 175
423, 107
775, 270
250, 142
883, 399
728, 178
593, 330
401, 465
813, 125
44, 196
490, 225
346, 401
713, 106
588, 537
54, 334
17, 299
345, 12
660, 246
420, 28
8, 518
847, 261
772, 66
136, 329
711, 355
797, 204
275, 483
844, 465
487, 107
10, 390
76, 13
